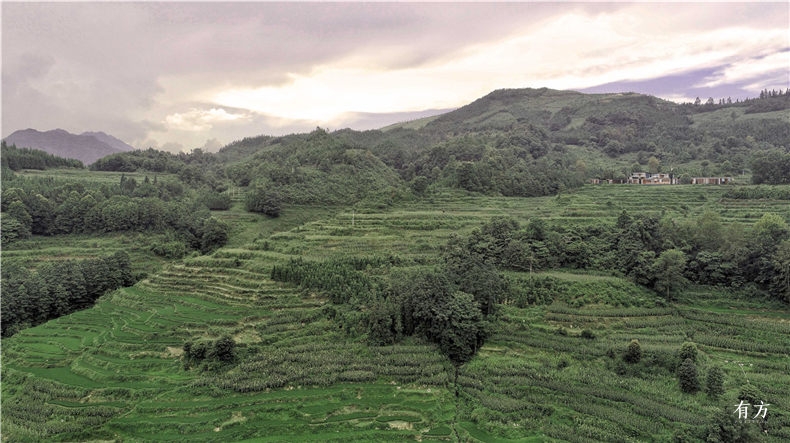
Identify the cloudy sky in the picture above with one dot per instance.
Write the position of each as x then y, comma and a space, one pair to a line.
179, 76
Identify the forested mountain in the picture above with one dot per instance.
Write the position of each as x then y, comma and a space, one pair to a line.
512, 142
86, 147
528, 142
611, 132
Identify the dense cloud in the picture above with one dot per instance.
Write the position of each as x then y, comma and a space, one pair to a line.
183, 73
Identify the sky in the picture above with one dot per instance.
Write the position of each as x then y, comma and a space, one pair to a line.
178, 76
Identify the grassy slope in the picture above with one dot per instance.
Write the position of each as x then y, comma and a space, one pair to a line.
729, 115
114, 371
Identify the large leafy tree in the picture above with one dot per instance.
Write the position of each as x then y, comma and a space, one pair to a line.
771, 167
433, 308
714, 383
42, 212
461, 330
668, 271
214, 234
761, 243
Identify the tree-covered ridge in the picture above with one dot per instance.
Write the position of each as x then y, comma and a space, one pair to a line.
515, 142
194, 169
316, 168
17, 159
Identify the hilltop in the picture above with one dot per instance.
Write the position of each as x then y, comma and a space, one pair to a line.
528, 142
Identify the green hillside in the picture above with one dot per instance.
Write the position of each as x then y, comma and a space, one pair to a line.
118, 371
512, 142
449, 279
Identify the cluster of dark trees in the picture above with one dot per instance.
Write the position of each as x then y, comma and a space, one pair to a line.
658, 252
263, 200
431, 305
57, 288
16, 159
43, 207
46, 206
515, 165
767, 101
209, 354
449, 305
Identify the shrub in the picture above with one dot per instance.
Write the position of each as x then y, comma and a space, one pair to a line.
687, 376
215, 201
214, 234
688, 350
714, 384
173, 249
633, 353
224, 349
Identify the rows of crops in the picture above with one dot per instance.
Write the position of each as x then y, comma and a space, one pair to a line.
574, 386
116, 371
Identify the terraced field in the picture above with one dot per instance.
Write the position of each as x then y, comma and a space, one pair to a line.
115, 372
31, 253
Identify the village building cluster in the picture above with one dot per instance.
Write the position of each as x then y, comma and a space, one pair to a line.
648, 178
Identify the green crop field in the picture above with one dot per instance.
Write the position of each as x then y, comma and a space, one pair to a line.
116, 371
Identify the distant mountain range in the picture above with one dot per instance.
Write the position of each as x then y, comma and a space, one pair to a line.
86, 147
